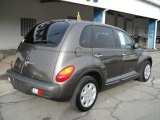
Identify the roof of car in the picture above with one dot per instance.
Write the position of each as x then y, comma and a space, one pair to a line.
72, 21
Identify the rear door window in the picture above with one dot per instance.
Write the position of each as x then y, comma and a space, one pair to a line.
48, 34
103, 37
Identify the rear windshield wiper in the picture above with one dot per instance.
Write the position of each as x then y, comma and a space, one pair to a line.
44, 41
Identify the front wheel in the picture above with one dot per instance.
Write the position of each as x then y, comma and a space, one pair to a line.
85, 94
145, 71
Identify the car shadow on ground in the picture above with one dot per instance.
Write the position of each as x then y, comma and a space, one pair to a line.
73, 114
3, 77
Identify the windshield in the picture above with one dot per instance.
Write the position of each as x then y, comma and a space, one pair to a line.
48, 34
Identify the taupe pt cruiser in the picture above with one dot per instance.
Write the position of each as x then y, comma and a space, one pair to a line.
74, 60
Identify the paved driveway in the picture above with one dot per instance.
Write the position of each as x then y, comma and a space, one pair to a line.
132, 100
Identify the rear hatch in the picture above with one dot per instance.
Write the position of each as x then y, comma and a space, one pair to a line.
37, 54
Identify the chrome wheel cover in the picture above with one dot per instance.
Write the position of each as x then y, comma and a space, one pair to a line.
88, 95
147, 71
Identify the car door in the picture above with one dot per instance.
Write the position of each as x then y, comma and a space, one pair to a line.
107, 53
130, 56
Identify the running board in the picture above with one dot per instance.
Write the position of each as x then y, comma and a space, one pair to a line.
127, 76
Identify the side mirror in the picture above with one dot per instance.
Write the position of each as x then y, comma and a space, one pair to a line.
136, 46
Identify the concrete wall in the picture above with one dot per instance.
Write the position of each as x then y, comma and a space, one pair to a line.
110, 19
133, 25
118, 19
11, 11
141, 26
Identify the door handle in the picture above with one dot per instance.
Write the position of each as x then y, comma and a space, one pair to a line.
124, 54
98, 55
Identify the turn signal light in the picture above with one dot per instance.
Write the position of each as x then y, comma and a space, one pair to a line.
65, 73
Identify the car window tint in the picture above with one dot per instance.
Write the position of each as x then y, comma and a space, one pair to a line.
29, 38
56, 32
40, 32
50, 33
86, 37
125, 40
103, 37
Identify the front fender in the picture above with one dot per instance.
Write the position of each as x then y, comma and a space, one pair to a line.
143, 57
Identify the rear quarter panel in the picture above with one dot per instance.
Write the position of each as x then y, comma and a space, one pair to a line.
73, 54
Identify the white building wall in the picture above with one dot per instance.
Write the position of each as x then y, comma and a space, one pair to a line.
12, 11
135, 7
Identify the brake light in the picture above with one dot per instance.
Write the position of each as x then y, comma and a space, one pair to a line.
65, 73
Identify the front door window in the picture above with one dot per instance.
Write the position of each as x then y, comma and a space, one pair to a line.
125, 40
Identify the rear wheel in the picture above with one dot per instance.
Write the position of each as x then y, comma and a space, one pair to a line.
145, 71
85, 94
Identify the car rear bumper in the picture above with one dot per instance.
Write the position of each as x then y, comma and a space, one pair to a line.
25, 85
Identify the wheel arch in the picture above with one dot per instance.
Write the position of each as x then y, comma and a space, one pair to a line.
144, 57
97, 75
150, 60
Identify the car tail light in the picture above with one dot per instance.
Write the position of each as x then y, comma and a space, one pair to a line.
65, 73
37, 91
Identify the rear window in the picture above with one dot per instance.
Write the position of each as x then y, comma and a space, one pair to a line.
48, 34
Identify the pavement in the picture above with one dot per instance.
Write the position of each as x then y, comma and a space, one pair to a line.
131, 100
4, 65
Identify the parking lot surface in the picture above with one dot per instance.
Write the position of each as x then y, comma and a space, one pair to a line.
131, 100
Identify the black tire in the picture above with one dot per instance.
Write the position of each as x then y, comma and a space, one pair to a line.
75, 100
142, 71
